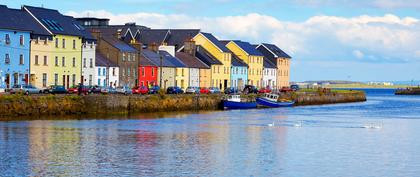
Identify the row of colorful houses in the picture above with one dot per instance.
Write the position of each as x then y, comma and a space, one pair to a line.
43, 47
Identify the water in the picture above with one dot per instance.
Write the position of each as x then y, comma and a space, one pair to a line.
380, 137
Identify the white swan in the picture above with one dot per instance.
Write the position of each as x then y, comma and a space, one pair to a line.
271, 125
373, 126
299, 124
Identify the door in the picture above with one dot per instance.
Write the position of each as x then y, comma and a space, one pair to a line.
33, 79
68, 81
7, 80
26, 79
82, 80
64, 80
15, 79
225, 84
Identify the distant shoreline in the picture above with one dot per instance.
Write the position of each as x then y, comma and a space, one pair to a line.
365, 86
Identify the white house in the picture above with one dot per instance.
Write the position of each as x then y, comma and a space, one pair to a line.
88, 63
269, 74
106, 72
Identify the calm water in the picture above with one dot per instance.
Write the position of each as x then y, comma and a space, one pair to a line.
333, 140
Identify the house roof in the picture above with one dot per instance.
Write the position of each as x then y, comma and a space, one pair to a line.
191, 61
118, 44
216, 42
207, 58
16, 19
269, 64
144, 61
167, 59
236, 61
101, 60
56, 22
248, 48
173, 37
276, 50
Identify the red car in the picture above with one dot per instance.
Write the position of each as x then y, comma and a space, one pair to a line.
140, 90
264, 90
75, 90
204, 90
286, 89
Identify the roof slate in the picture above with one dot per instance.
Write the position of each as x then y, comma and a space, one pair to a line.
101, 60
248, 48
120, 45
236, 61
191, 61
276, 50
216, 42
269, 64
167, 59
172, 37
203, 55
16, 19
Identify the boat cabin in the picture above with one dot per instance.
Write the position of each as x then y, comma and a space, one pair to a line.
271, 97
234, 98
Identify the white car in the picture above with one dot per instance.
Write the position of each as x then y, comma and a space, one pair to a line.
192, 90
124, 90
26, 89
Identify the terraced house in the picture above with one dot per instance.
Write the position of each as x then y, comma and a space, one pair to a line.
252, 57
281, 59
220, 74
239, 73
16, 30
65, 48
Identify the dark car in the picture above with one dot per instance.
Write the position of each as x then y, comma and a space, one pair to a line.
95, 89
154, 89
174, 90
214, 90
231, 90
250, 89
294, 87
80, 89
55, 89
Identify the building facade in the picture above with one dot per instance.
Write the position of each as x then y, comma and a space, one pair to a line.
220, 74
88, 62
106, 72
239, 73
269, 74
281, 59
148, 72
252, 57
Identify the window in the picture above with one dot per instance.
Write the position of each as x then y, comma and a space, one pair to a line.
74, 62
99, 71
46, 42
44, 79
74, 44
123, 72
21, 60
134, 57
36, 60
182, 72
142, 72
84, 62
63, 62
45, 61
7, 59
55, 79
104, 82
37, 41
124, 56
128, 72
21, 40
99, 82
113, 71
56, 61
104, 72
56, 42
64, 43
91, 63
7, 39
90, 79
153, 72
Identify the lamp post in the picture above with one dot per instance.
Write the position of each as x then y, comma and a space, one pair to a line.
161, 69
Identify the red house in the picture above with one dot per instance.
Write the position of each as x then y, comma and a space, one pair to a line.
148, 72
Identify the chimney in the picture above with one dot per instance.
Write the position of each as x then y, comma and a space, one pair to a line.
190, 47
154, 47
118, 35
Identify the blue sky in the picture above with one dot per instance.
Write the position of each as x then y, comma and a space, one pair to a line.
328, 39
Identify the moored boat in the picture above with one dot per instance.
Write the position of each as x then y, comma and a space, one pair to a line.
271, 101
235, 102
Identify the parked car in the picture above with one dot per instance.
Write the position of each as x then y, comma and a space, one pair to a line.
154, 89
79, 88
25, 89
231, 90
95, 89
124, 90
140, 90
108, 90
250, 89
264, 90
295, 87
55, 89
214, 90
174, 90
286, 89
204, 90
192, 90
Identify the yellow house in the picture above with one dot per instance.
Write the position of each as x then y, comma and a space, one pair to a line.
63, 63
220, 73
182, 77
255, 60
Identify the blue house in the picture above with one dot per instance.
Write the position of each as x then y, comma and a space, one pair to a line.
239, 73
16, 29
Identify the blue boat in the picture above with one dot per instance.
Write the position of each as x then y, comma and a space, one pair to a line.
235, 102
271, 101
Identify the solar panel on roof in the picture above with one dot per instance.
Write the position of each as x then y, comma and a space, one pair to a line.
58, 26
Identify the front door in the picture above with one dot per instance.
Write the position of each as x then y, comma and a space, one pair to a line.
82, 80
64, 80
225, 84
68, 81
7, 80
33, 81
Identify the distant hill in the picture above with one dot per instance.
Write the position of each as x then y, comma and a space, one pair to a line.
332, 82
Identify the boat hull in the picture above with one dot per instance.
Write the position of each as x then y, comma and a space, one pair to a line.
239, 105
261, 102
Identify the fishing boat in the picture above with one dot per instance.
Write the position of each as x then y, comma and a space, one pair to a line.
272, 101
235, 102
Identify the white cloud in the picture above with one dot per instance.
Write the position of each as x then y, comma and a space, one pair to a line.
387, 38
381, 4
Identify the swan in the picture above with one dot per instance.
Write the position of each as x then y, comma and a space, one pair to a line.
299, 124
373, 126
271, 125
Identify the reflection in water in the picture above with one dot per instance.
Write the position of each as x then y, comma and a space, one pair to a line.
331, 141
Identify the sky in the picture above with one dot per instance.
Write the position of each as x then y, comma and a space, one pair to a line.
358, 40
